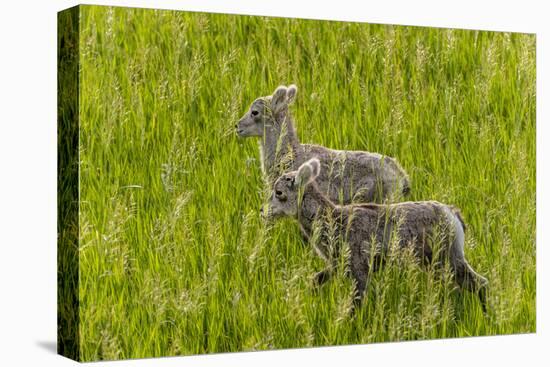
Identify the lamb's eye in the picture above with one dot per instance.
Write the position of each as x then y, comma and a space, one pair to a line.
289, 178
280, 196
255, 113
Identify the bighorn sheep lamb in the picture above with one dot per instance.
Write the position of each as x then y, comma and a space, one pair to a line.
347, 176
366, 227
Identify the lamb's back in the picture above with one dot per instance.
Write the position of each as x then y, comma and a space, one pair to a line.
414, 223
355, 176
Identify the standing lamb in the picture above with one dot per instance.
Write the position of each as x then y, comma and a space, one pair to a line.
366, 227
347, 176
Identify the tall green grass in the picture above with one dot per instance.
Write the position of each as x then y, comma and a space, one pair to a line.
174, 258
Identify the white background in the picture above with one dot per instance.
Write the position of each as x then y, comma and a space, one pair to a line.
28, 182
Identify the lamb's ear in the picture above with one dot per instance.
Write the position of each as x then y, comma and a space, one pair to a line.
291, 93
278, 99
308, 171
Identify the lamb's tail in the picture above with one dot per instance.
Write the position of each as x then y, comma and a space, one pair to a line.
456, 212
405, 181
404, 178
406, 186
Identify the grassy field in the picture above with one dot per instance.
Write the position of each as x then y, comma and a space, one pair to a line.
174, 258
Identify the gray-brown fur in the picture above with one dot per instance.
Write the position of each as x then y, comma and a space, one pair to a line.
346, 176
365, 227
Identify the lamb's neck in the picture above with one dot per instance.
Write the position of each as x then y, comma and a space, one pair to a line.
268, 145
279, 140
313, 205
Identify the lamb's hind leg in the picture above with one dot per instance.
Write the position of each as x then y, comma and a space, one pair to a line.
360, 273
465, 276
366, 192
468, 279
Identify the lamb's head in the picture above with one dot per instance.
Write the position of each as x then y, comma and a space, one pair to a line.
288, 189
266, 111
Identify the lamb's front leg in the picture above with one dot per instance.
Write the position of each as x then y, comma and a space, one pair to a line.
324, 276
305, 235
358, 295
